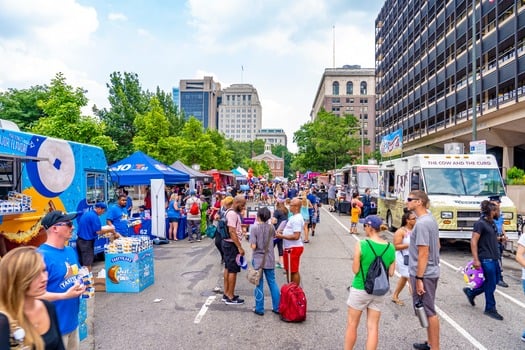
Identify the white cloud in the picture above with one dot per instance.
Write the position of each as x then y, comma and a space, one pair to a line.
34, 50
117, 17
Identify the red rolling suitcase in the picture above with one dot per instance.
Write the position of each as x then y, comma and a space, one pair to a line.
292, 306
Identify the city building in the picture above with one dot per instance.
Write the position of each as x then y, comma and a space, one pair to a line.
276, 164
175, 93
240, 113
349, 90
424, 84
200, 98
272, 136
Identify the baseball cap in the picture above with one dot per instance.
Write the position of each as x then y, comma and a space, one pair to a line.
56, 216
101, 205
373, 221
496, 198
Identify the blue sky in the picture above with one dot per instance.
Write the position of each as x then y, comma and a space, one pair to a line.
283, 46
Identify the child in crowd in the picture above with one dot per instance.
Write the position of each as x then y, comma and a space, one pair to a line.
354, 218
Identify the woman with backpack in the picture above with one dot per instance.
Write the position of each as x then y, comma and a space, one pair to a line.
360, 297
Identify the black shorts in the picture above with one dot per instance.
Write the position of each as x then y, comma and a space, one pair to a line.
230, 255
86, 251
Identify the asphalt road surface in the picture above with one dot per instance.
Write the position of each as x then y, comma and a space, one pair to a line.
182, 311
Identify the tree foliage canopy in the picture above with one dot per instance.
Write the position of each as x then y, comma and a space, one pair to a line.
327, 142
63, 117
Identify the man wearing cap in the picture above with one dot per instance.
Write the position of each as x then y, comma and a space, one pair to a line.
423, 264
502, 238
194, 220
118, 216
62, 265
89, 227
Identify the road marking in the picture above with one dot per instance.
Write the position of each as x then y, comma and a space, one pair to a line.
203, 309
460, 329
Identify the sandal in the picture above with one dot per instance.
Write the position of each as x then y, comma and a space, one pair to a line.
306, 241
398, 302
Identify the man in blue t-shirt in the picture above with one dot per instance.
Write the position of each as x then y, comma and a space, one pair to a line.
118, 216
89, 227
63, 288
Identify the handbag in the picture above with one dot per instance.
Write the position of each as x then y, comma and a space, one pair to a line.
254, 276
405, 259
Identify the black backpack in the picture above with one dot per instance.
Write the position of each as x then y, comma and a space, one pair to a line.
376, 281
222, 226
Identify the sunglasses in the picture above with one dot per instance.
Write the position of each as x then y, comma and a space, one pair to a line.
411, 219
412, 199
67, 223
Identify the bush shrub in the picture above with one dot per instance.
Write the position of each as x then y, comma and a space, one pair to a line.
515, 176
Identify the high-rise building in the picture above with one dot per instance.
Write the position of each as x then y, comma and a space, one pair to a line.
272, 137
175, 94
349, 90
424, 75
200, 98
240, 112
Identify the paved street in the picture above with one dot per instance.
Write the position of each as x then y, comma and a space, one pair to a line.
190, 315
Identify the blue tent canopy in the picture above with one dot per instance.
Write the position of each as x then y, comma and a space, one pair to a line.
139, 169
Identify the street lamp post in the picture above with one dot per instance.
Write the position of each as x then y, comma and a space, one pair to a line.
473, 86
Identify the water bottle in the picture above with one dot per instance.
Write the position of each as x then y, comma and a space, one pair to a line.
421, 314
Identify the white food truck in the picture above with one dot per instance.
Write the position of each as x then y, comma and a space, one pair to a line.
456, 184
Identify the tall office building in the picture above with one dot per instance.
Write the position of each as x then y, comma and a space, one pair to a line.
200, 98
424, 75
175, 94
272, 137
240, 112
349, 90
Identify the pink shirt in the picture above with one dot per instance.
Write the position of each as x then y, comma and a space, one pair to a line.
233, 220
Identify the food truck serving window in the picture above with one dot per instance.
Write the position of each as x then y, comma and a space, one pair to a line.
95, 187
9, 175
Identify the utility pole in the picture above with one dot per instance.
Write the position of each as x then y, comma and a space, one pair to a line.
474, 64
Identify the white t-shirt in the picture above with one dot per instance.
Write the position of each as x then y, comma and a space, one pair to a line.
294, 224
521, 241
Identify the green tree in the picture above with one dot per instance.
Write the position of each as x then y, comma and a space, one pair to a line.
194, 146
63, 117
259, 168
327, 142
175, 118
20, 106
127, 100
153, 136
223, 155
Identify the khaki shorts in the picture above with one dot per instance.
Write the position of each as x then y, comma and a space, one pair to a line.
360, 300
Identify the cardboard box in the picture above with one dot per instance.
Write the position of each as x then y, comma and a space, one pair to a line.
129, 272
100, 284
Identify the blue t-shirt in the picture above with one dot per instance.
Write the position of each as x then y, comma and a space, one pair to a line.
62, 267
119, 218
88, 226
